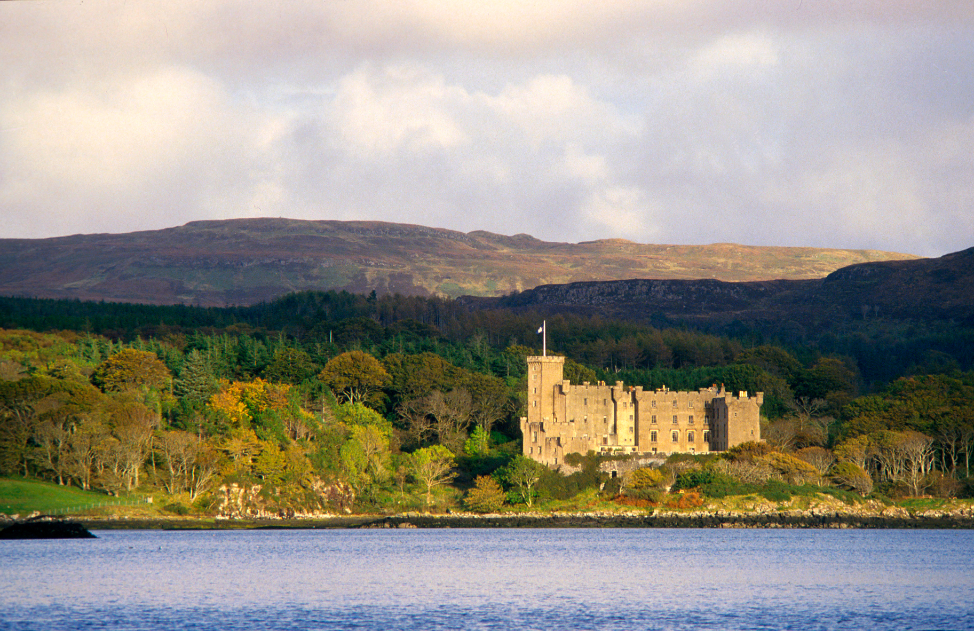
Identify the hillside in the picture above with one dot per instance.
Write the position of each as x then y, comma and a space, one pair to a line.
921, 289
245, 261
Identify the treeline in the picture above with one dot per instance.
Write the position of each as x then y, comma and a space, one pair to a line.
878, 350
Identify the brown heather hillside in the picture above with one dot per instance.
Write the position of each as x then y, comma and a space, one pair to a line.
244, 261
922, 289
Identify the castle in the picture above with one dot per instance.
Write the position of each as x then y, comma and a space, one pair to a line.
565, 418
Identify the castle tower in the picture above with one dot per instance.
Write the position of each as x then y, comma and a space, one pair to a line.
544, 372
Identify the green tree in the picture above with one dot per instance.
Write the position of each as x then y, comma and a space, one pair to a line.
290, 365
431, 467
355, 377
522, 474
196, 381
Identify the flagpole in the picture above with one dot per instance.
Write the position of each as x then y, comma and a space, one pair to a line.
544, 338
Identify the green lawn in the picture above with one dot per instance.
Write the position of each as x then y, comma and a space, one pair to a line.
26, 496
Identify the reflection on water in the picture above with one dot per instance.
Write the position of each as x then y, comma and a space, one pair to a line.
491, 579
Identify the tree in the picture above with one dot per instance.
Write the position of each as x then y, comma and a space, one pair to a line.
196, 381
487, 496
431, 467
133, 425
129, 369
852, 476
818, 457
290, 365
523, 474
189, 462
355, 377
919, 457
854, 450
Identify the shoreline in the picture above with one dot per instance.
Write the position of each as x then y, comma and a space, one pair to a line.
786, 519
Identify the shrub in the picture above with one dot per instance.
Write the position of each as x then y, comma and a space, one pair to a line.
849, 475
176, 508
747, 451
690, 499
693, 479
722, 486
966, 488
487, 496
894, 489
777, 491
647, 476
939, 484
650, 495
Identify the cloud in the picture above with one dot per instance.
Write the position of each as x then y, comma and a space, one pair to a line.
788, 123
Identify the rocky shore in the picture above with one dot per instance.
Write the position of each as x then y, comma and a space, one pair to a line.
853, 517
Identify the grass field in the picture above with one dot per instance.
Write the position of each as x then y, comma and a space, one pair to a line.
23, 497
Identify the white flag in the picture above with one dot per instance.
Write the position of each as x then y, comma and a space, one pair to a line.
540, 330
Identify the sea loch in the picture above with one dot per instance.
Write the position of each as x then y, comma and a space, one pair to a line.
492, 579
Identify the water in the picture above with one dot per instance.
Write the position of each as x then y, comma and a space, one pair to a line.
492, 579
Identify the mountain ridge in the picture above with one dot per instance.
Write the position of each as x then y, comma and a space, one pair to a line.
245, 261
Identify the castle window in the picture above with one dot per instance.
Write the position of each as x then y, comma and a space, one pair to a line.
631, 430
605, 440
675, 403
690, 437
675, 436
691, 419
536, 391
534, 437
654, 402
605, 402
675, 421
653, 419
605, 419
632, 418
706, 436
585, 401
652, 437
690, 404
535, 403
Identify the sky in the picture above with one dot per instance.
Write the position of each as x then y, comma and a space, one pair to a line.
822, 123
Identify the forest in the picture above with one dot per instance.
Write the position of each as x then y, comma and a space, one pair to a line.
330, 402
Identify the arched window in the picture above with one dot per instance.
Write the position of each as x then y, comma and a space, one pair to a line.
676, 436
689, 437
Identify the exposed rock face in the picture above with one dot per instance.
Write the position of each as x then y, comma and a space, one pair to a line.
248, 502
44, 528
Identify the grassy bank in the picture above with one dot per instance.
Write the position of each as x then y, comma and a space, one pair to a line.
24, 497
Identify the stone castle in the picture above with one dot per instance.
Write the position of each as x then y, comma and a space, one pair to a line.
565, 418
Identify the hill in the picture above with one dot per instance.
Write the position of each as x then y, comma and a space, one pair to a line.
245, 261
922, 289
